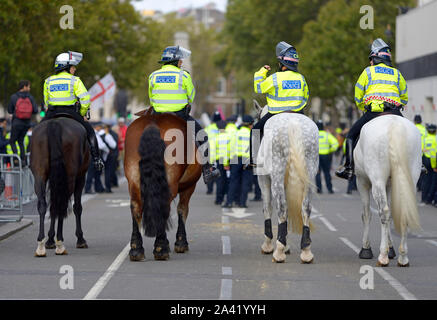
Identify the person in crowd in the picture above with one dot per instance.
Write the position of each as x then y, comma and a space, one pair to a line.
109, 156
429, 181
94, 173
328, 144
223, 154
21, 106
212, 132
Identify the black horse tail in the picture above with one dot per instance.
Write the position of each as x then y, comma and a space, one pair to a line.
57, 173
155, 192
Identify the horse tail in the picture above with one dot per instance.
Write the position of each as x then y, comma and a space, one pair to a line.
59, 195
155, 192
403, 194
297, 179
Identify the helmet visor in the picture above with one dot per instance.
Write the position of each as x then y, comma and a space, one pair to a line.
75, 57
378, 44
183, 53
281, 47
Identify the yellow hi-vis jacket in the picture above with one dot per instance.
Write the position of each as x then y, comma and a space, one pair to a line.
170, 89
422, 130
327, 143
379, 84
64, 89
430, 148
9, 148
212, 131
243, 142
223, 146
286, 90
232, 129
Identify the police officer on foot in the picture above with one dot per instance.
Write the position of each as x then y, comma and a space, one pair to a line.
380, 88
171, 90
64, 93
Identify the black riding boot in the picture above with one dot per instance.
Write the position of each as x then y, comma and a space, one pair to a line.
95, 154
347, 172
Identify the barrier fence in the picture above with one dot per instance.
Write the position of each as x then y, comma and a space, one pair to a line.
18, 187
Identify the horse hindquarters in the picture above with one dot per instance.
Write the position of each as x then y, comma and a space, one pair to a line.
155, 192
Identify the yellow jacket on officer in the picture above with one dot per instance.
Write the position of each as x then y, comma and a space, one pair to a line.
430, 148
170, 89
64, 89
327, 143
378, 84
286, 90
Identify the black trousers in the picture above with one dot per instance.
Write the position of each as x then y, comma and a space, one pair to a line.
54, 111
18, 133
325, 161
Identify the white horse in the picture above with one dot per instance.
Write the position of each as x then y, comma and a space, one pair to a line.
388, 162
287, 162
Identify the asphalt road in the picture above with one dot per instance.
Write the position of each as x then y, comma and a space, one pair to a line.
224, 261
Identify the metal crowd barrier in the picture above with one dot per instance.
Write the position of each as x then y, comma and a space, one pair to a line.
19, 187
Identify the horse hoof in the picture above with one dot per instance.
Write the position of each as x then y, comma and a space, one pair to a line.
162, 257
287, 249
61, 253
266, 252
181, 249
83, 245
136, 254
50, 245
366, 253
161, 253
404, 265
38, 255
278, 260
380, 264
391, 253
307, 262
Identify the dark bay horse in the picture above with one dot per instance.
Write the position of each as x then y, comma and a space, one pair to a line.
154, 182
59, 156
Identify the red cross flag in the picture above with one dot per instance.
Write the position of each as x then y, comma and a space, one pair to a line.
101, 91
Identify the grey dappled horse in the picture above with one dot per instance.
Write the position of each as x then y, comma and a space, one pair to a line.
287, 162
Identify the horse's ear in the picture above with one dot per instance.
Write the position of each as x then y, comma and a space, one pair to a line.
257, 106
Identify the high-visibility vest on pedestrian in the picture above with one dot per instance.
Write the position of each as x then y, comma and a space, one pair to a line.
430, 148
327, 143
212, 131
378, 84
170, 89
9, 148
243, 142
423, 132
223, 148
232, 129
64, 89
286, 90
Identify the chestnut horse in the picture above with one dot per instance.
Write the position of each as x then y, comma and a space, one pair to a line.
154, 181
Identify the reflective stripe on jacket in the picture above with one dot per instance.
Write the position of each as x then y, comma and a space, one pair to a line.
285, 90
379, 84
243, 142
64, 89
430, 148
170, 89
223, 150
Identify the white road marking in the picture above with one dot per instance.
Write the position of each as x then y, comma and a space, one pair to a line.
328, 224
314, 210
226, 289
432, 242
341, 217
225, 223
103, 281
402, 291
226, 241
227, 271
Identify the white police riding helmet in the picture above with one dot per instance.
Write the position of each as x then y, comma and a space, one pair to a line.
66, 59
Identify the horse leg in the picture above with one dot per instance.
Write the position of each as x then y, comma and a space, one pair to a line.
50, 244
391, 250
77, 208
265, 186
364, 190
60, 248
306, 256
181, 244
136, 252
380, 196
403, 250
42, 209
278, 193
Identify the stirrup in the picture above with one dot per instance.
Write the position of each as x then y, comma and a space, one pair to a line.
98, 164
210, 174
345, 173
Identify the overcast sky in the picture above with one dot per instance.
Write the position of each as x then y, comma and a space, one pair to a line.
173, 5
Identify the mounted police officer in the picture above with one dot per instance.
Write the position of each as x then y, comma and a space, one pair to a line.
286, 90
64, 93
171, 90
380, 88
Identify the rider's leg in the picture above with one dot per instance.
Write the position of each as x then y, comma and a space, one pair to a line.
258, 131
